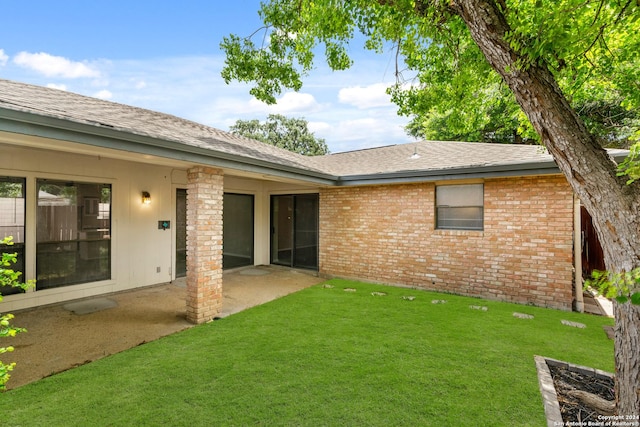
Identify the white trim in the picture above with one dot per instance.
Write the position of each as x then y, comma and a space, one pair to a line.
59, 294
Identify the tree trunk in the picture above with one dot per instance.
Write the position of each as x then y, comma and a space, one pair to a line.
613, 205
627, 349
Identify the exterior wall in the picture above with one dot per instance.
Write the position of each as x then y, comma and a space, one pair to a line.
387, 234
378, 233
142, 255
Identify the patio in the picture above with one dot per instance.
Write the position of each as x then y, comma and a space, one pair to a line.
64, 336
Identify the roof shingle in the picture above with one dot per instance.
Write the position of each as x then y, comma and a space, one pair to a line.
430, 155
138, 121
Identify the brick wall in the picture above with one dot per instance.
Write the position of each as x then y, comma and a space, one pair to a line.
387, 234
204, 243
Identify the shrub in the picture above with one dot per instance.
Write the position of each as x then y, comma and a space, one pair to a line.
9, 277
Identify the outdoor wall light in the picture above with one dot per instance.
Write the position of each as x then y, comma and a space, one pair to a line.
146, 198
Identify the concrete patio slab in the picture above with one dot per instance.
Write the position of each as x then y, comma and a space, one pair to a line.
64, 336
90, 305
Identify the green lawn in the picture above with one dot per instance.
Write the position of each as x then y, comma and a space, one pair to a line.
324, 356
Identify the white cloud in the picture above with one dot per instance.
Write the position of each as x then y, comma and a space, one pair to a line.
103, 94
376, 130
57, 86
355, 129
318, 126
297, 102
374, 95
290, 103
3, 58
54, 66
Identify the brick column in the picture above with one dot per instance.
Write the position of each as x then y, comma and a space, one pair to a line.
204, 243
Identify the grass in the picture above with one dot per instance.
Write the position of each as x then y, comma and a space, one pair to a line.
324, 356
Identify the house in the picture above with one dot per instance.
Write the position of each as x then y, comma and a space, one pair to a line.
102, 197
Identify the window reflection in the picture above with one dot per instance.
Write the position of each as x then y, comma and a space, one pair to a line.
73, 234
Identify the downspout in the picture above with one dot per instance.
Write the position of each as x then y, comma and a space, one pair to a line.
577, 254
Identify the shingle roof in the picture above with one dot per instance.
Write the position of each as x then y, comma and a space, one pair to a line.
408, 159
431, 155
138, 121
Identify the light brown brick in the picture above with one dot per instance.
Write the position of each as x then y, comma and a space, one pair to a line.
387, 234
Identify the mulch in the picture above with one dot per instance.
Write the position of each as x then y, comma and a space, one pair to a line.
575, 412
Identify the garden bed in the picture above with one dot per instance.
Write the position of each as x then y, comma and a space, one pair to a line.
559, 382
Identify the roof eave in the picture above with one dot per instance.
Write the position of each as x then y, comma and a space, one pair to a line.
462, 173
26, 123
45, 126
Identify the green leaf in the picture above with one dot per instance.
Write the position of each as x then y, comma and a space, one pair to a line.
622, 299
635, 298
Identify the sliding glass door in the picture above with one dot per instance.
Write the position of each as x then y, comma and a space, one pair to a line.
294, 226
237, 246
305, 231
181, 232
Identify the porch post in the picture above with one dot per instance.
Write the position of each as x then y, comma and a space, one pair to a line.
204, 243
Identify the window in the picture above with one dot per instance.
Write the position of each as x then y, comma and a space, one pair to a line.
460, 207
12, 191
74, 233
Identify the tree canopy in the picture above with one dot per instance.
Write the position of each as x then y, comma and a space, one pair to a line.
444, 81
500, 120
289, 133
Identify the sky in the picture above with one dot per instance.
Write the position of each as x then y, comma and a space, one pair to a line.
166, 56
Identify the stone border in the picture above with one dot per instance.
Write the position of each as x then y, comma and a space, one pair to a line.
548, 390
584, 370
